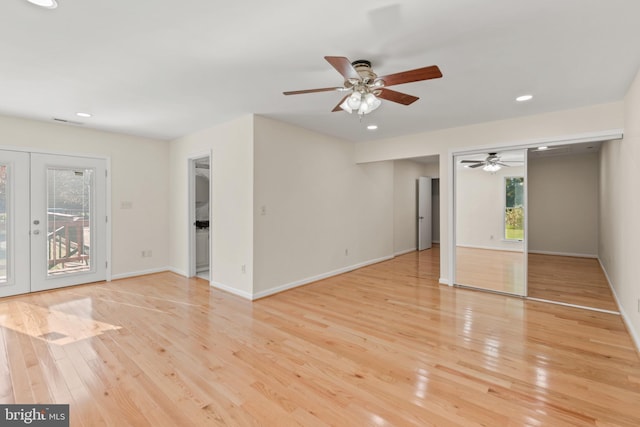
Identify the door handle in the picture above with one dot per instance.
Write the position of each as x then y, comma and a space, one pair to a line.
420, 217
36, 232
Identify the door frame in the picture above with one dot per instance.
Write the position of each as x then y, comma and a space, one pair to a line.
108, 191
191, 215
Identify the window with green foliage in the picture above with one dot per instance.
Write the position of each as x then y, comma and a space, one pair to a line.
514, 208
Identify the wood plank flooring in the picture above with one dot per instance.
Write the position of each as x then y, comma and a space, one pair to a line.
578, 281
494, 270
385, 345
569, 280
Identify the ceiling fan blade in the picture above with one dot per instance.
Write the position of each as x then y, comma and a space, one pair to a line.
399, 97
337, 107
477, 165
471, 161
419, 74
343, 66
324, 89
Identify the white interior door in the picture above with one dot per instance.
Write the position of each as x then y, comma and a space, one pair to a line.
14, 223
424, 213
68, 221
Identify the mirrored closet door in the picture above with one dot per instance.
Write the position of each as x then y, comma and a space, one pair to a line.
490, 221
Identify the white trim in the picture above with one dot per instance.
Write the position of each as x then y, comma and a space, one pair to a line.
406, 251
231, 290
444, 281
451, 226
635, 336
109, 229
140, 273
191, 211
566, 304
490, 248
177, 271
606, 135
570, 254
312, 279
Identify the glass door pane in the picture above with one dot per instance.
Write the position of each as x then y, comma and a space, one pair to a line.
490, 221
14, 223
69, 198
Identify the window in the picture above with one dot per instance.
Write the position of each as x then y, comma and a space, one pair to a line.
514, 208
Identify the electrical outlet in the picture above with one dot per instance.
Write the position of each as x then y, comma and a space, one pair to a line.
638, 305
346, 252
244, 268
147, 253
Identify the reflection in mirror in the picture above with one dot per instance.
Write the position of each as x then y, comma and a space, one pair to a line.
490, 221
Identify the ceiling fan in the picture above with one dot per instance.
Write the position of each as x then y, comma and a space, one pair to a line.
366, 88
492, 163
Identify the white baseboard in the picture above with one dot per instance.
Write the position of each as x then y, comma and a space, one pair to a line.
140, 273
308, 280
231, 290
177, 271
444, 281
635, 337
575, 255
406, 251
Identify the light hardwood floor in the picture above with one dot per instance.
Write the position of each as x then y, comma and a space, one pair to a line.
494, 270
569, 280
384, 345
578, 281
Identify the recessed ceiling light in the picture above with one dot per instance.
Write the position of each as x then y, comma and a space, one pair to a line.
523, 98
49, 4
86, 115
372, 127
542, 148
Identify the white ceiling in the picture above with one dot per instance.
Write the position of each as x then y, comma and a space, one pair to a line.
163, 68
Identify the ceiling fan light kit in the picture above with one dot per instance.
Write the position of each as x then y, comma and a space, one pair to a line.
366, 88
492, 164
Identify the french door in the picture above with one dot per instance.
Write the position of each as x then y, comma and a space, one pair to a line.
52, 221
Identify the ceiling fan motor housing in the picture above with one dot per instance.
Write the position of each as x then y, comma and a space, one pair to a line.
363, 68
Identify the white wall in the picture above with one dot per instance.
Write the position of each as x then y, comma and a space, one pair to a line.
480, 201
231, 147
311, 203
492, 134
405, 174
619, 244
563, 204
138, 176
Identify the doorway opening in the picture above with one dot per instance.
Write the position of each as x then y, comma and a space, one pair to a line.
199, 217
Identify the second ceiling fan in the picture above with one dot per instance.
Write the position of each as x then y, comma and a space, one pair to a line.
366, 88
